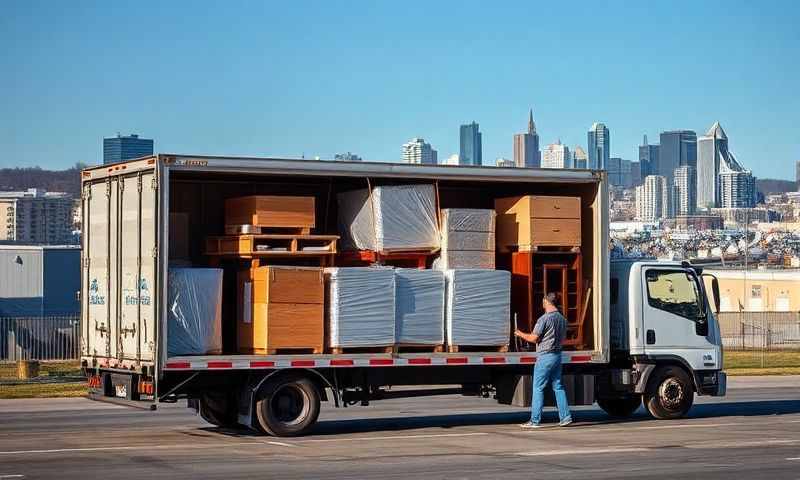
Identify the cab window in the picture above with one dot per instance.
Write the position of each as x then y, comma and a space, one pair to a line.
674, 291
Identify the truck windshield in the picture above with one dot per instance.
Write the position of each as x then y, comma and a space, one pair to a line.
674, 291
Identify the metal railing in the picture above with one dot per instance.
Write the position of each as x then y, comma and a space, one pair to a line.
40, 338
760, 330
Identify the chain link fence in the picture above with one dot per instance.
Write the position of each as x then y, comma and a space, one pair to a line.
40, 338
760, 330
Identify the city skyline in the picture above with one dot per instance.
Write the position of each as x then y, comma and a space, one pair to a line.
261, 98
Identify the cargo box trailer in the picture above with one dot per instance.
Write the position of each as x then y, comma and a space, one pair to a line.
649, 332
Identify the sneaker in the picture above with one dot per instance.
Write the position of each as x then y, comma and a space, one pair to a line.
529, 425
565, 422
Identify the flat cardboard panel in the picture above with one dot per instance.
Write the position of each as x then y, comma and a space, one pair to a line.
270, 211
275, 284
295, 325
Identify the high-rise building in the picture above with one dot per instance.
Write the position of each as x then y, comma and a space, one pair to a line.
556, 155
417, 151
737, 189
505, 162
685, 201
648, 158
599, 146
579, 157
636, 174
451, 160
619, 172
347, 157
471, 145
678, 147
652, 199
526, 146
121, 148
35, 216
712, 149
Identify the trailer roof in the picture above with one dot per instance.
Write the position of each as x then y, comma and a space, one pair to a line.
298, 166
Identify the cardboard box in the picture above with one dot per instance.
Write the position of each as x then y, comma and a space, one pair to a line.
531, 221
270, 211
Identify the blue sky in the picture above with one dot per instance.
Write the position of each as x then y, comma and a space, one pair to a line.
316, 78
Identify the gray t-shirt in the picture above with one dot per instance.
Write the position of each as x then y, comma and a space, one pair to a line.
551, 328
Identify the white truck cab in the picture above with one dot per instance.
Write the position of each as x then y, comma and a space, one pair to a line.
664, 328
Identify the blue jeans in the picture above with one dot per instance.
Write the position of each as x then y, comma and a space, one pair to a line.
548, 370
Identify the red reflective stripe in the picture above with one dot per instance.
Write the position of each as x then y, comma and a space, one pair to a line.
494, 359
303, 363
460, 360
581, 358
342, 362
261, 364
381, 361
419, 361
527, 360
220, 364
179, 365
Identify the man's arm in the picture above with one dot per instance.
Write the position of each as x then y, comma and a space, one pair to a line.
528, 337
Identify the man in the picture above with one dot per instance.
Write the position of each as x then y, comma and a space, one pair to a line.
548, 334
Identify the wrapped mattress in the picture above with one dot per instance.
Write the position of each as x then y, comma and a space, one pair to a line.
361, 306
419, 309
478, 307
401, 217
194, 311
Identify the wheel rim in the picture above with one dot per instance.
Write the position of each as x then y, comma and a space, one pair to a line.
290, 405
671, 393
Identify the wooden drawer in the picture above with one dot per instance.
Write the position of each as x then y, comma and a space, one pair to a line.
270, 211
555, 207
277, 326
555, 232
288, 285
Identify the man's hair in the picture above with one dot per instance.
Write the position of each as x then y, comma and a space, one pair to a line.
552, 299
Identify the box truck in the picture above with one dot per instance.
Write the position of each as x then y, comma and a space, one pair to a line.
650, 331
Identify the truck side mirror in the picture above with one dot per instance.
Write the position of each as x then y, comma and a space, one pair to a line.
714, 290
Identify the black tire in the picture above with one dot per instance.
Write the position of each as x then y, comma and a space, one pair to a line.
288, 406
621, 407
669, 393
219, 409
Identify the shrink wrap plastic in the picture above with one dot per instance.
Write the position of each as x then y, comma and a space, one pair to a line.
468, 220
404, 218
454, 241
419, 306
478, 307
451, 259
194, 312
361, 306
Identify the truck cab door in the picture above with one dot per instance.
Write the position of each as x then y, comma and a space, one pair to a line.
676, 320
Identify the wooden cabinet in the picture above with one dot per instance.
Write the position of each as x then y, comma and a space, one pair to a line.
271, 211
531, 221
281, 310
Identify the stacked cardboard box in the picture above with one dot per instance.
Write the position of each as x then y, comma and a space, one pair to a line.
281, 308
468, 239
271, 211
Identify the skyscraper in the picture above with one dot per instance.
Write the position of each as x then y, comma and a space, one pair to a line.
120, 148
619, 172
556, 155
648, 158
579, 157
599, 146
711, 150
526, 146
652, 199
471, 145
678, 147
417, 151
685, 190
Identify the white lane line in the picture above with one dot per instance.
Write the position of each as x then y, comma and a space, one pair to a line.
281, 444
393, 437
754, 443
12, 476
137, 447
793, 458
584, 451
691, 425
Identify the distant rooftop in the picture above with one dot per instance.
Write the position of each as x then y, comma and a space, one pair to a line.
33, 193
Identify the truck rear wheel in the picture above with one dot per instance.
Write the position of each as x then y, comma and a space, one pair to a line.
288, 406
669, 393
218, 409
620, 407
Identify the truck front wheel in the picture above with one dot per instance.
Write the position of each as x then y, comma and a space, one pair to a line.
288, 406
620, 407
669, 393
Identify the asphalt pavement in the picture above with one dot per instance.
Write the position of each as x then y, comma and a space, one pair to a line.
754, 432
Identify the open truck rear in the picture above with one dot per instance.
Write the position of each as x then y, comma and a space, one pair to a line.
126, 261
